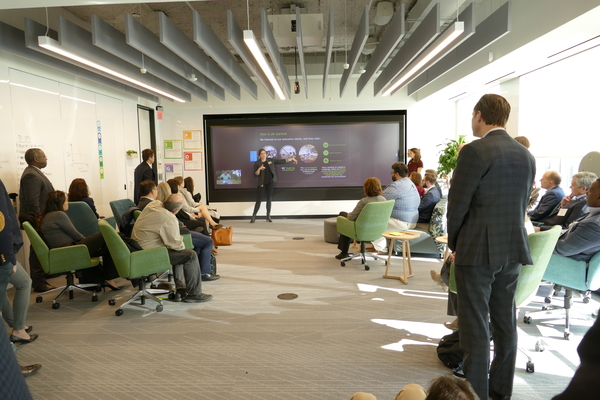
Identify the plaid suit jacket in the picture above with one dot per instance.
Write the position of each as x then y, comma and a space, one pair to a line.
487, 200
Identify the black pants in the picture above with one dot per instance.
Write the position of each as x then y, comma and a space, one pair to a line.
268, 189
103, 272
344, 241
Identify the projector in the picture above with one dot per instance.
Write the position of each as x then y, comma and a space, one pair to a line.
296, 87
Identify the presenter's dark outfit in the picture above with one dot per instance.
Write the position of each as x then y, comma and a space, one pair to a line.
266, 178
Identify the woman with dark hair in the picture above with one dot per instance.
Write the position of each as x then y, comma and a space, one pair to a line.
79, 191
264, 170
57, 230
199, 213
188, 194
414, 164
372, 189
415, 177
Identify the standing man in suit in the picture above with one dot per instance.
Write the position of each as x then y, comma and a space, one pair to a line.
143, 172
486, 209
554, 194
573, 206
33, 189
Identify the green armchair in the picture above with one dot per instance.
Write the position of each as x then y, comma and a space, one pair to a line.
132, 265
370, 224
62, 260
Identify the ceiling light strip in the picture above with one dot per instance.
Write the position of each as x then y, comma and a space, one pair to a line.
252, 44
271, 45
301, 50
328, 50
360, 38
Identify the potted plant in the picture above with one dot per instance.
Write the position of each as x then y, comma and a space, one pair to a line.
449, 156
132, 153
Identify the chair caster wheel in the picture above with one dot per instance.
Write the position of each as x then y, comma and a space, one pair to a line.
171, 296
567, 335
94, 297
367, 268
548, 300
343, 264
527, 319
111, 302
98, 289
38, 299
544, 308
159, 308
530, 367
586, 300
119, 312
55, 306
539, 347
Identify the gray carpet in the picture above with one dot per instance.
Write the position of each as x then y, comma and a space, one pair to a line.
349, 330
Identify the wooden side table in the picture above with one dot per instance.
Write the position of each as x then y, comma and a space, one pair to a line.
444, 240
404, 237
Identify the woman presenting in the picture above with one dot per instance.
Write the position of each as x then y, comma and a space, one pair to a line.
264, 169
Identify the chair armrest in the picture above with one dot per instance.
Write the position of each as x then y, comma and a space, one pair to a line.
187, 240
346, 227
70, 258
148, 262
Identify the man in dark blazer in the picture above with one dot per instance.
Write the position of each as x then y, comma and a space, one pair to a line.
33, 189
486, 211
429, 199
143, 172
581, 241
148, 193
554, 194
573, 206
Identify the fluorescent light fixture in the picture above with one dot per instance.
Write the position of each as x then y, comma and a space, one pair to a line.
436, 47
52, 45
34, 88
252, 44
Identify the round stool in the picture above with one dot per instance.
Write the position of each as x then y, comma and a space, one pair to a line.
330, 233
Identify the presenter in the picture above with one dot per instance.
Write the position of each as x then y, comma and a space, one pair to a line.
264, 169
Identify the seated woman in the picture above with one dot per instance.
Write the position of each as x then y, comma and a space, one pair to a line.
57, 230
194, 201
415, 177
372, 189
79, 191
176, 186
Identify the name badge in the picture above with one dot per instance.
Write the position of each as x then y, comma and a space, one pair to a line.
562, 212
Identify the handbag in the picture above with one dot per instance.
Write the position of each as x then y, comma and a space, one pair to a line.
223, 236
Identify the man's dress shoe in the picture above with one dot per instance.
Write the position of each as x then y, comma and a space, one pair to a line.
28, 370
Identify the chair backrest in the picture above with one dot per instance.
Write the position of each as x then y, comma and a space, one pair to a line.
373, 220
111, 221
82, 217
119, 207
541, 246
118, 249
437, 224
39, 246
136, 214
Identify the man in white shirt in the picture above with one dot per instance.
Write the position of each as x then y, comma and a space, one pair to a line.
157, 226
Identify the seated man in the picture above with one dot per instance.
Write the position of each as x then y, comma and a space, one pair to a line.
581, 241
573, 206
431, 197
158, 226
148, 193
405, 213
554, 194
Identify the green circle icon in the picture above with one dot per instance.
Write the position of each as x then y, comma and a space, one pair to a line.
326, 145
325, 152
326, 160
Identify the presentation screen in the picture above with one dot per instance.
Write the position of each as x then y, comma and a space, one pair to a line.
335, 153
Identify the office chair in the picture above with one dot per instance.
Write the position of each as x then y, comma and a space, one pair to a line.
62, 260
82, 217
119, 207
370, 224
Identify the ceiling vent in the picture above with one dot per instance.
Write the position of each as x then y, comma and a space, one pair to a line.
284, 29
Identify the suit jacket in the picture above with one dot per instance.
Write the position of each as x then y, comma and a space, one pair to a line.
271, 163
11, 240
144, 201
487, 200
33, 189
143, 172
573, 211
428, 202
581, 242
547, 204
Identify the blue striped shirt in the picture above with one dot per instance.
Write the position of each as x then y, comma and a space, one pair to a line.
406, 207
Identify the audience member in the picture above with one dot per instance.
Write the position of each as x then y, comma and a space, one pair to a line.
79, 191
580, 242
34, 187
143, 172
554, 194
193, 224
190, 206
57, 230
157, 226
440, 388
486, 209
429, 199
535, 191
573, 206
523, 140
188, 183
414, 164
148, 193
372, 190
405, 213
416, 178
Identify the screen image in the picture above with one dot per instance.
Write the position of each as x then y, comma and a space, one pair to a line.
333, 153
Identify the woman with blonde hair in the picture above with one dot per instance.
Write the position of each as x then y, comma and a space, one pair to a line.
414, 164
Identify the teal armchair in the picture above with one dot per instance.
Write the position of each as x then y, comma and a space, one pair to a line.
132, 265
83, 218
370, 224
62, 260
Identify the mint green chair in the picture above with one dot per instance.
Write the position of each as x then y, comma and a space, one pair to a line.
134, 265
62, 260
370, 224
82, 217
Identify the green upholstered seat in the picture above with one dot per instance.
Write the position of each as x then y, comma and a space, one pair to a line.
62, 260
119, 207
370, 224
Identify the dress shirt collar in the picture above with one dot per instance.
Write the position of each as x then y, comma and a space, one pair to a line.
492, 130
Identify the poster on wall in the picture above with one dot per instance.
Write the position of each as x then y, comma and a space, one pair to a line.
191, 140
172, 170
173, 149
192, 160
